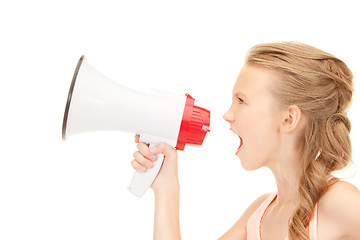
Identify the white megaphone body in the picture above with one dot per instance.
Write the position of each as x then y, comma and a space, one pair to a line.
96, 103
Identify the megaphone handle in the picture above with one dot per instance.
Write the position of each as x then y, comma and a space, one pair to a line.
141, 181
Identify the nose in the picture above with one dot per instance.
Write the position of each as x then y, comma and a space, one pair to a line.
229, 116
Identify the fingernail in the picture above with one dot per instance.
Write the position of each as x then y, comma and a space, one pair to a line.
153, 157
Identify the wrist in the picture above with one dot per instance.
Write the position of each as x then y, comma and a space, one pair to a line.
167, 190
166, 218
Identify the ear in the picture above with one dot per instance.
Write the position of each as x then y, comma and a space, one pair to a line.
291, 120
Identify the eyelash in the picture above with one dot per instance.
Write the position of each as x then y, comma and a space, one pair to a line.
240, 100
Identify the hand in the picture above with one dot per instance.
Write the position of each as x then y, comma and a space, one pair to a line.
167, 178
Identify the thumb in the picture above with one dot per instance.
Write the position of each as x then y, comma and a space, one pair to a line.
163, 148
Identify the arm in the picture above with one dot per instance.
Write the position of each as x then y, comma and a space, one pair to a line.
238, 230
166, 189
166, 218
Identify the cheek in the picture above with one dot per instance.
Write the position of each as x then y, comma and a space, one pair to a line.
260, 140
264, 133
259, 123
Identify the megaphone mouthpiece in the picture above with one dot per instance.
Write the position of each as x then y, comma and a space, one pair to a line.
195, 124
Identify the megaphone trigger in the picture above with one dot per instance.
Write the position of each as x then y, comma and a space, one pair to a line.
137, 138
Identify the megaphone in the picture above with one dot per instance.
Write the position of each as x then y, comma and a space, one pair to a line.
96, 103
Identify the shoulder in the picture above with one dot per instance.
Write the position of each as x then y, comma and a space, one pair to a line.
255, 205
238, 230
340, 207
341, 196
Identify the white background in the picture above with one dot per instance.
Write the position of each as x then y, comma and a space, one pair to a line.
50, 189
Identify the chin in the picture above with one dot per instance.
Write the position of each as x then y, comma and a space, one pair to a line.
249, 165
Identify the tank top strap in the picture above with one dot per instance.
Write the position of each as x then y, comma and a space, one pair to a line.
253, 226
254, 222
313, 224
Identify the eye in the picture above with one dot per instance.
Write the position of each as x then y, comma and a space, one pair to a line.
241, 101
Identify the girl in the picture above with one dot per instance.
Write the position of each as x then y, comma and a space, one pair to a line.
289, 109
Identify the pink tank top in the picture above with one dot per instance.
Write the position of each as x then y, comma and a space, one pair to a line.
253, 226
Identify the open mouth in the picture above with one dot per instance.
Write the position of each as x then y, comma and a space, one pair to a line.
241, 141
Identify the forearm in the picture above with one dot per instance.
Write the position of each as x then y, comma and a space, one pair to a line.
166, 222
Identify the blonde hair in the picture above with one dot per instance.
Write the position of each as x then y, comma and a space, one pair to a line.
321, 86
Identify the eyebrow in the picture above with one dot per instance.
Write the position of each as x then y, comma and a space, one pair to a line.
241, 94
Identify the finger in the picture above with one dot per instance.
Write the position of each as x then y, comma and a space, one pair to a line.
144, 150
137, 166
143, 160
164, 148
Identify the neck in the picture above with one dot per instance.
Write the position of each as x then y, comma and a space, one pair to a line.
287, 176
287, 187
286, 167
